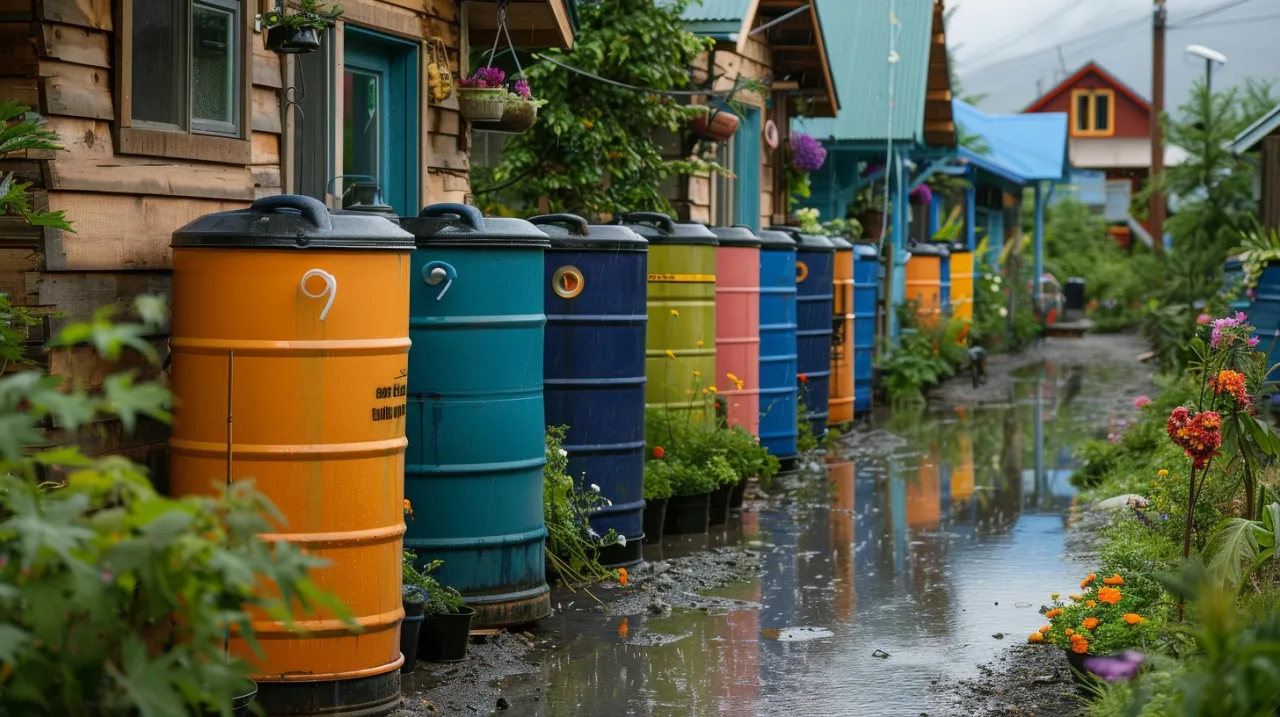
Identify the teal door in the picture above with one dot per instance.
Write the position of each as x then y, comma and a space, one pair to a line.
380, 122
746, 159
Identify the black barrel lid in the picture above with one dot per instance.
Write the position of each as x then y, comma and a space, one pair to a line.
659, 228
866, 250
570, 231
736, 235
807, 242
928, 249
462, 225
841, 244
776, 240
289, 221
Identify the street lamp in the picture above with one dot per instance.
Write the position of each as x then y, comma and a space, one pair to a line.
1209, 56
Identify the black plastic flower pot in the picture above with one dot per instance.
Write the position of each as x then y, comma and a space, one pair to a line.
445, 636
687, 514
738, 496
410, 630
655, 515
286, 40
719, 504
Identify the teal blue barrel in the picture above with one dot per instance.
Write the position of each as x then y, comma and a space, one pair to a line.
866, 280
475, 423
1264, 312
944, 278
596, 287
778, 344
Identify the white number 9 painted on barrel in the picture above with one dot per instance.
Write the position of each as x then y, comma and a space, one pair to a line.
330, 289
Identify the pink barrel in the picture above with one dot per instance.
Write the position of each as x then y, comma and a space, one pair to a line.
738, 324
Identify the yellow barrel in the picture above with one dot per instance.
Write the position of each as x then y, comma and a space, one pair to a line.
924, 281
841, 404
290, 349
680, 342
962, 272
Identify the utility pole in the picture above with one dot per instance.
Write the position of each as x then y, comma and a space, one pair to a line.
1156, 208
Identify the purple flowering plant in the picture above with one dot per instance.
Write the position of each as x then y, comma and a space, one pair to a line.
485, 78
807, 154
521, 89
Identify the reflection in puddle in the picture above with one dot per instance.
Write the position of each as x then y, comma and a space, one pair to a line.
885, 573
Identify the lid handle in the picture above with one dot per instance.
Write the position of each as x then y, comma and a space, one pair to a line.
311, 209
573, 222
465, 212
656, 219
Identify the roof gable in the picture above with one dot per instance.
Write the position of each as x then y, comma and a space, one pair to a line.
920, 112
1249, 139
1075, 79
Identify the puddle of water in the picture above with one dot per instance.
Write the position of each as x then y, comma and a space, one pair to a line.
887, 574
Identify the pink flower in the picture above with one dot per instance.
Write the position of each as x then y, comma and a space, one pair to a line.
1203, 319
1253, 341
1141, 401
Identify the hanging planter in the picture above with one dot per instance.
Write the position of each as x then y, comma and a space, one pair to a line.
298, 33
482, 97
521, 111
715, 125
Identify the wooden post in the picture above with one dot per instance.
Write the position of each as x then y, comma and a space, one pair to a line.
1157, 207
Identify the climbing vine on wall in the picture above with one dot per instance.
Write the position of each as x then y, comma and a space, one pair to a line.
592, 150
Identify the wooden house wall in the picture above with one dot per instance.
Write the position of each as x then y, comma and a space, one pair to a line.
58, 57
755, 62
1270, 165
1132, 119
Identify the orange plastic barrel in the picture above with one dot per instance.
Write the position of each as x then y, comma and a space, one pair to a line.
738, 325
290, 348
962, 272
924, 281
924, 494
962, 474
841, 403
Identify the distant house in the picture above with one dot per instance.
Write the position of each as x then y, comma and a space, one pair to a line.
1109, 135
1262, 139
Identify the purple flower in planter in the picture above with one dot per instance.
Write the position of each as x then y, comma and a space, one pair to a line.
807, 153
921, 195
521, 87
490, 78
1121, 667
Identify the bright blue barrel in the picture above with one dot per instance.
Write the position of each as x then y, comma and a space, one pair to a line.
815, 303
475, 421
1264, 312
778, 343
595, 285
944, 279
866, 275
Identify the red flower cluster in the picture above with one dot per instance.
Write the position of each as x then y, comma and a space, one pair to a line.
1199, 435
1233, 383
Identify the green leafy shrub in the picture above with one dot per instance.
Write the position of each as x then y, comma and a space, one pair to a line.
572, 546
925, 355
22, 130
440, 600
1104, 618
657, 478
113, 595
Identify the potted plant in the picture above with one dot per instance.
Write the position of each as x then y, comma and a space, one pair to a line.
482, 97
446, 627
1099, 628
749, 460
715, 124
413, 594
657, 491
868, 210
300, 32
520, 112
688, 510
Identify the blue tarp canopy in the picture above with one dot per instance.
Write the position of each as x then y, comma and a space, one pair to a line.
1020, 148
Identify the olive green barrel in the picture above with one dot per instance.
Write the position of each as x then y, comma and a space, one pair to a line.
680, 343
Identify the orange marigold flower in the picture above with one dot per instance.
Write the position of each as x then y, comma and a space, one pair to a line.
1090, 603
1080, 647
659, 452
1076, 638
1085, 583
1114, 580
1109, 595
1070, 633
1044, 629
1090, 623
622, 628
622, 576
1035, 637
1131, 618
1053, 613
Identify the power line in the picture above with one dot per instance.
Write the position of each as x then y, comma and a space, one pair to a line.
1225, 23
1214, 11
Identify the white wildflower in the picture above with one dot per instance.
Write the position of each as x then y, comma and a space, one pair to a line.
563, 453
622, 540
995, 288
1004, 311
595, 488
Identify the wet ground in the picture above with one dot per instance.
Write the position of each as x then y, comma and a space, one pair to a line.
891, 579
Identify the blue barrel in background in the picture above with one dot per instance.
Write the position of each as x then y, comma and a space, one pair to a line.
475, 421
944, 279
815, 303
1233, 283
596, 285
778, 344
866, 276
1264, 312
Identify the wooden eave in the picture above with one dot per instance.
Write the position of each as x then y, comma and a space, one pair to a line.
532, 23
939, 124
799, 51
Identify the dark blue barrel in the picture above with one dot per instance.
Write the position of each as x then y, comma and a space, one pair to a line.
475, 419
815, 303
778, 343
593, 366
866, 276
1233, 283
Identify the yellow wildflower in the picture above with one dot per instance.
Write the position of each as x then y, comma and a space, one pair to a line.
697, 373
1053, 596
675, 313
712, 389
1162, 473
671, 354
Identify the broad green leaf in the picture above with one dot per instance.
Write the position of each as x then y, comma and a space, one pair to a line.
1271, 517
12, 639
17, 430
129, 400
1232, 548
63, 456
153, 310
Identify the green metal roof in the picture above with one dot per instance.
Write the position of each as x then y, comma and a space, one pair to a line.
717, 10
858, 48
